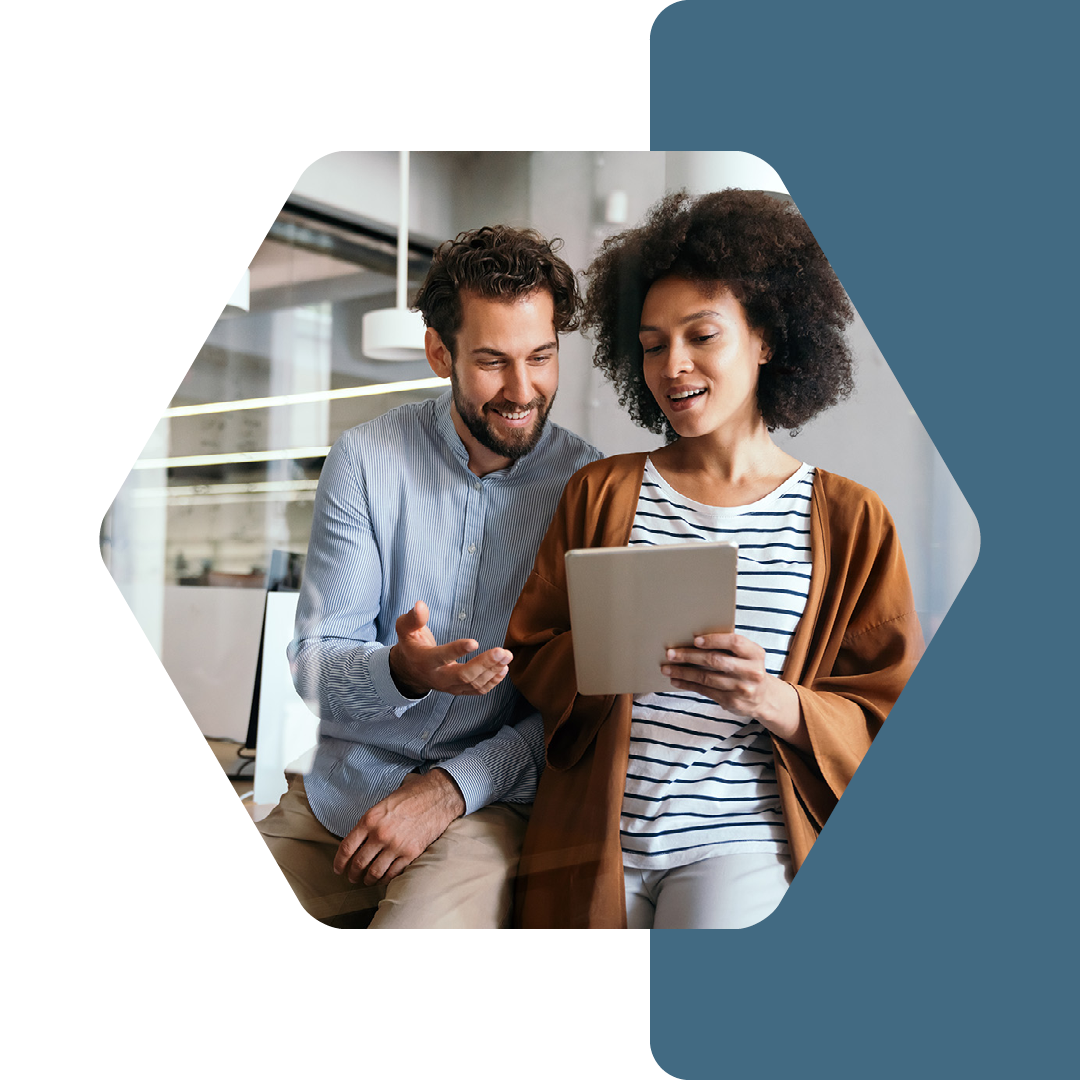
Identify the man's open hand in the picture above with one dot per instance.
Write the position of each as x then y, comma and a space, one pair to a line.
400, 828
418, 663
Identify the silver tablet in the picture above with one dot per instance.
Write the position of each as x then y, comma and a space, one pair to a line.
628, 605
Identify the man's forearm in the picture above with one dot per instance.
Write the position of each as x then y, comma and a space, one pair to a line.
447, 794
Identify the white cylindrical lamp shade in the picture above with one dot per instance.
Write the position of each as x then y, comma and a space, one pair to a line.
393, 334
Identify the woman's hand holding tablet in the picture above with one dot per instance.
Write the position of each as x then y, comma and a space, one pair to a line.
730, 670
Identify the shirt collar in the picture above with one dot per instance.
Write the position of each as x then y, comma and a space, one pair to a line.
444, 424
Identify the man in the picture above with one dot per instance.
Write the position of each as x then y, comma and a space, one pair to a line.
426, 524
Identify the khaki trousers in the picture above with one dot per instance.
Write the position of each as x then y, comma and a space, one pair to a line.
463, 881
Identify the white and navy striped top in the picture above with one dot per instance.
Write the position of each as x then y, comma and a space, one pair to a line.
399, 518
701, 780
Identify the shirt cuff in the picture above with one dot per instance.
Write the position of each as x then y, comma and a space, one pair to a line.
379, 672
473, 779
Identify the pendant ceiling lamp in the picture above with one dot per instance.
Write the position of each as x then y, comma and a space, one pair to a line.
397, 333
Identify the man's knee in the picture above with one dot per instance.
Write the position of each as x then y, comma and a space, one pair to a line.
304, 851
464, 880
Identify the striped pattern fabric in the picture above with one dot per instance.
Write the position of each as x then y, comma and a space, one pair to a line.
701, 780
399, 518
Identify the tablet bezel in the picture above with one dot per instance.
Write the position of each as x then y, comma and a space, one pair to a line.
630, 604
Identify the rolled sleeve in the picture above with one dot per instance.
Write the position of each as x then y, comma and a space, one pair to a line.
504, 768
473, 779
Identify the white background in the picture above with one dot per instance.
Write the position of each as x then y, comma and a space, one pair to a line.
147, 932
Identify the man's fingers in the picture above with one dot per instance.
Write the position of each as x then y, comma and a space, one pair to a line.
379, 866
484, 672
477, 670
491, 660
347, 848
488, 681
449, 653
367, 854
396, 867
413, 620
422, 666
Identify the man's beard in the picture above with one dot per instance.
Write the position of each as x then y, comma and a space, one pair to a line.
515, 443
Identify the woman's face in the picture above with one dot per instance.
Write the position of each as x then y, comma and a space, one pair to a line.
702, 359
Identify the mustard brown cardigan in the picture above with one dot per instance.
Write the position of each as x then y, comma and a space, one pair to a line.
852, 652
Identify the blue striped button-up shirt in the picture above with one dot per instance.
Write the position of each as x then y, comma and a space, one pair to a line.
399, 518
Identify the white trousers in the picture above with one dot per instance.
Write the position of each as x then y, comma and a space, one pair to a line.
726, 892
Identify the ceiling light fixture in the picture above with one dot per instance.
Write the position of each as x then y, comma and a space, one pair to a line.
372, 390
396, 333
254, 487
296, 453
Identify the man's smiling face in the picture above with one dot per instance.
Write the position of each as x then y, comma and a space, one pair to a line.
504, 374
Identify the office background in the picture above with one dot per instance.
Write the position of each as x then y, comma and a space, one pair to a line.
190, 536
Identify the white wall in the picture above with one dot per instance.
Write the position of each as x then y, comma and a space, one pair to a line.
490, 189
876, 438
365, 182
567, 199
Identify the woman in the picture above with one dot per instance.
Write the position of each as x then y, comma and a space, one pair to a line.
718, 321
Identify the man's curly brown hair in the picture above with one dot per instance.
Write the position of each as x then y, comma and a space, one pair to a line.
761, 250
496, 262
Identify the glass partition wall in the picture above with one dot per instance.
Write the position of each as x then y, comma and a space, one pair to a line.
229, 475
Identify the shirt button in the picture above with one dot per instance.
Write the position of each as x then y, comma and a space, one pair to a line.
472, 548
424, 734
477, 486
461, 615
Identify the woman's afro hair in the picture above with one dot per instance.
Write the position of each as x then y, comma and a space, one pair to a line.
760, 249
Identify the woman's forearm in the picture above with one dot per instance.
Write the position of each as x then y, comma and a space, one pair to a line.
782, 714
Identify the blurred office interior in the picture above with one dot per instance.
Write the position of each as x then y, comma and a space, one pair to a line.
229, 475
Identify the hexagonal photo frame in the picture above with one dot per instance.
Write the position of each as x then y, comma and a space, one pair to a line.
208, 536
